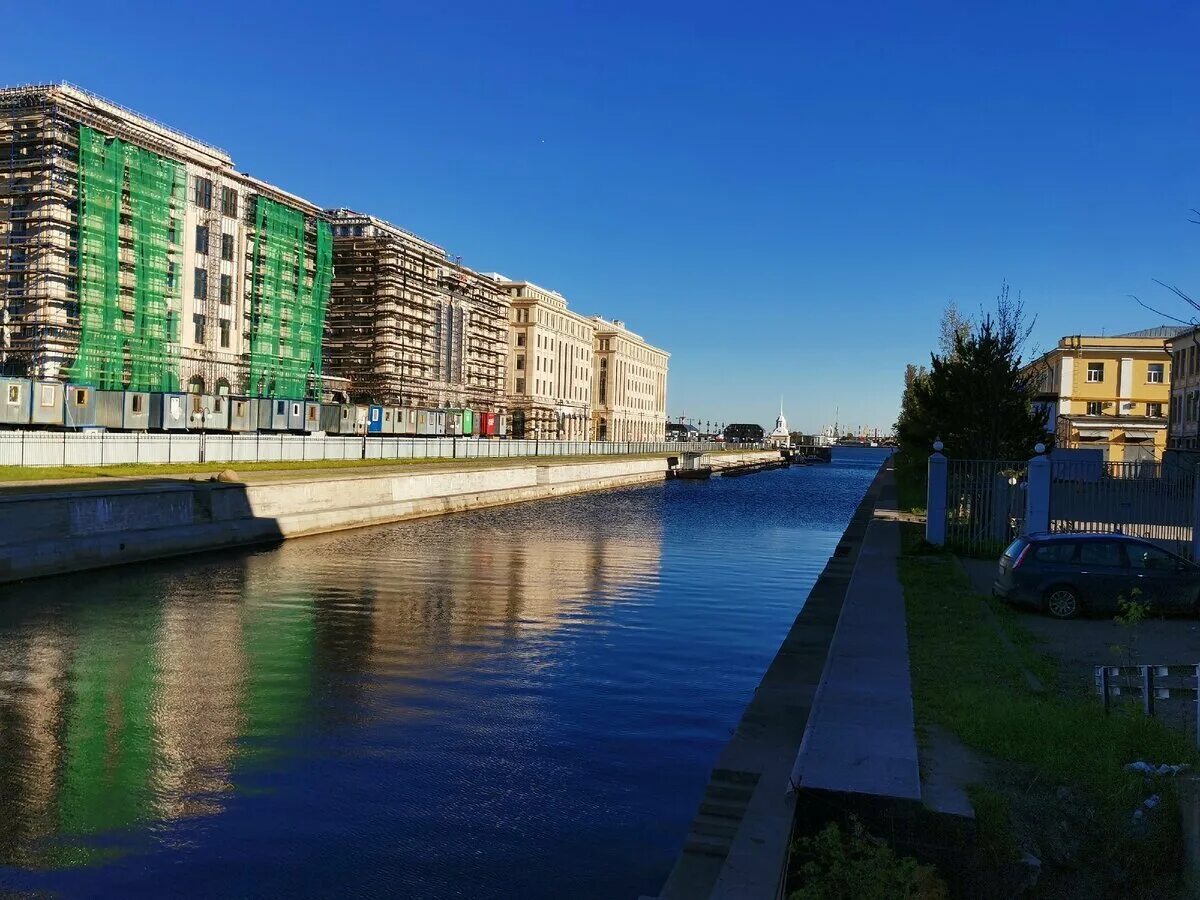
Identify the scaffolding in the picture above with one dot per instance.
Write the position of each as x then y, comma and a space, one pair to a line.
129, 200
287, 302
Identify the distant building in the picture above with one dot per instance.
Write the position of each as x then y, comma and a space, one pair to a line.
741, 433
1108, 393
780, 436
549, 378
630, 385
408, 326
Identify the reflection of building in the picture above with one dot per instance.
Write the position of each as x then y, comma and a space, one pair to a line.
631, 385
550, 368
134, 255
1108, 393
409, 326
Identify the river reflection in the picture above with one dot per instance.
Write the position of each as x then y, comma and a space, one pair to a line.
515, 702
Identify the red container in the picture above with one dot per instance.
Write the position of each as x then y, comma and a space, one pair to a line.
489, 425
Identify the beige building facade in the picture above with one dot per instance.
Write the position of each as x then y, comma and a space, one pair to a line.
1183, 428
550, 364
630, 385
409, 326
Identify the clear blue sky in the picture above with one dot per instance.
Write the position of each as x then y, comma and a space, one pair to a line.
785, 196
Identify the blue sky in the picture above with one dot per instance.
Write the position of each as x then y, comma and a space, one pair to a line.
785, 196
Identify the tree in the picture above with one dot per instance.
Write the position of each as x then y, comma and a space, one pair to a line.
977, 394
953, 327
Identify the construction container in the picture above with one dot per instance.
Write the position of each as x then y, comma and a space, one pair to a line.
295, 415
214, 412
391, 420
331, 418
453, 422
487, 422
168, 412
16, 399
312, 416
46, 404
374, 420
129, 410
438, 422
501, 425
81, 408
272, 414
468, 422
243, 414
422, 421
409, 423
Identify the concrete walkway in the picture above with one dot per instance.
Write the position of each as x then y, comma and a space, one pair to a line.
860, 737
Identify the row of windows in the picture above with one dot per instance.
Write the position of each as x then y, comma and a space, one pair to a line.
1155, 372
202, 235
200, 286
1096, 408
200, 326
202, 196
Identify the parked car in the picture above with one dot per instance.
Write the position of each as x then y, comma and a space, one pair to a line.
1067, 575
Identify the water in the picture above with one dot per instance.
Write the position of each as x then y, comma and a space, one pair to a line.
514, 703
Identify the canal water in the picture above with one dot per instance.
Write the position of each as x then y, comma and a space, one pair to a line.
513, 703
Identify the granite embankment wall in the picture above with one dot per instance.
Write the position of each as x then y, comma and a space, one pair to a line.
49, 532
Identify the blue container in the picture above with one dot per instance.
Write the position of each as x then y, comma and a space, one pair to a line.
375, 420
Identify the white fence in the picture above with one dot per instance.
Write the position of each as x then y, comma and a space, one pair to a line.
45, 448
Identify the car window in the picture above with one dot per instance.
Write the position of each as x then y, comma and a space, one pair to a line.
1055, 552
1144, 556
1100, 553
1015, 548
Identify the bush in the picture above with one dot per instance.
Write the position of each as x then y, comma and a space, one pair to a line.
856, 866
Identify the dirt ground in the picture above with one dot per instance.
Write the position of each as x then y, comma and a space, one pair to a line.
1082, 644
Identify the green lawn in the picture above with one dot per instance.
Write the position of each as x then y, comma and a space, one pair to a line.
1057, 761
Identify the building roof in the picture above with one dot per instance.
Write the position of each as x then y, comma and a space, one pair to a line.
1158, 331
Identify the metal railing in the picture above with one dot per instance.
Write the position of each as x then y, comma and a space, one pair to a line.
1150, 684
46, 448
985, 504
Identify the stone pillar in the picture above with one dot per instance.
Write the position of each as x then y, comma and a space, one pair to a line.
1037, 493
935, 502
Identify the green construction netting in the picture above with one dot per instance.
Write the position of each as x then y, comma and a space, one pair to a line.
288, 306
127, 337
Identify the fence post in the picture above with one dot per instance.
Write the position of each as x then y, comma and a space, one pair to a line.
1037, 492
935, 501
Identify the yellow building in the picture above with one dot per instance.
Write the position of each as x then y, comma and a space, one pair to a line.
630, 377
1109, 393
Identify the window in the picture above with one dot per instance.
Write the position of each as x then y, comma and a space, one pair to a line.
227, 247
1095, 372
14, 393
202, 192
520, 385
521, 339
81, 396
1100, 553
136, 405
226, 288
198, 328
224, 324
47, 395
1154, 373
1147, 556
170, 274
1095, 408
520, 363
229, 202
202, 239
1154, 410
200, 284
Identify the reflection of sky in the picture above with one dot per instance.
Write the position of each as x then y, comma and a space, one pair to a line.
430, 705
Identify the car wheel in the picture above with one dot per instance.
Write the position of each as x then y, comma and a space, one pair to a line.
1062, 602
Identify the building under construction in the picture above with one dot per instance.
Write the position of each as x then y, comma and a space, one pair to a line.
408, 325
132, 255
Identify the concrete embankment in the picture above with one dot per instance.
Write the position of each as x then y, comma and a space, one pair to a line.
50, 531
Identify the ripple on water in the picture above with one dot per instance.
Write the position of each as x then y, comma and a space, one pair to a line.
523, 701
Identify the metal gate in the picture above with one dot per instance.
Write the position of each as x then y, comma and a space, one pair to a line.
1145, 499
985, 504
